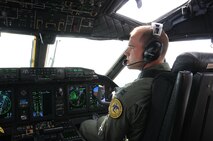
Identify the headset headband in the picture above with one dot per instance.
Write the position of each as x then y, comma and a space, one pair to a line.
157, 28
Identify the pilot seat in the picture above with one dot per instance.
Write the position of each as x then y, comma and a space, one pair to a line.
182, 104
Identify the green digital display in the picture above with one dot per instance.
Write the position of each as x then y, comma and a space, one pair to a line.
76, 97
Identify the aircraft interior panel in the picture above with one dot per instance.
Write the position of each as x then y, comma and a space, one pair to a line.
50, 103
44, 15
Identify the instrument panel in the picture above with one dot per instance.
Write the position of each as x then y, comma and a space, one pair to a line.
50, 103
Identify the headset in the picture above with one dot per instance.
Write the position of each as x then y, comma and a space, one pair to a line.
154, 47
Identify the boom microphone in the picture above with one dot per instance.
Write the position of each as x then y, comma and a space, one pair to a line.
124, 63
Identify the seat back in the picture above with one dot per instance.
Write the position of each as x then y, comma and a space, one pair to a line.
198, 125
169, 98
175, 116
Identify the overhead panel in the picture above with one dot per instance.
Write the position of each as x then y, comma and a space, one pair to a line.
65, 16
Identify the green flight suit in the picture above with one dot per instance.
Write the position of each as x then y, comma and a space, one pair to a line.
127, 112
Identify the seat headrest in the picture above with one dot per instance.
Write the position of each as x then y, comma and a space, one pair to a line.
194, 62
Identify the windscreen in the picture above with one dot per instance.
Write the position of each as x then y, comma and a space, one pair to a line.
15, 50
80, 52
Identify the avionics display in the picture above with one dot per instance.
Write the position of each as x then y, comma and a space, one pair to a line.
42, 103
76, 97
5, 104
97, 96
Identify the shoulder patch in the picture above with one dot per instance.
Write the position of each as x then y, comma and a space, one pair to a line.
1, 130
115, 108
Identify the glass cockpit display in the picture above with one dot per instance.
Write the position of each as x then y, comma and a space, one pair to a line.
5, 104
42, 103
97, 97
76, 97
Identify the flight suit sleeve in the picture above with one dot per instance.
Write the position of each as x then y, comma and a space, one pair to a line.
137, 117
127, 117
115, 128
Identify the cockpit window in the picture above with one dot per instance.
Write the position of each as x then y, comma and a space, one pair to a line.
15, 50
150, 10
81, 52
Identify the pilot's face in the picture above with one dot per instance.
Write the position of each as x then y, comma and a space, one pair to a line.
134, 52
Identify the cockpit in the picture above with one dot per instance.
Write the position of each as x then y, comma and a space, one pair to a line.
61, 60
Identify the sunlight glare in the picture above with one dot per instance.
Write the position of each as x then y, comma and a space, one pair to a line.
150, 10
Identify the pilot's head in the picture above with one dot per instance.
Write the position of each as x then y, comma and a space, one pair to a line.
145, 49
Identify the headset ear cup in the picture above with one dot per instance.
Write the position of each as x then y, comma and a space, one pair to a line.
152, 51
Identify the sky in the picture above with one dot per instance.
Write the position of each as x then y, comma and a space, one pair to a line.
150, 10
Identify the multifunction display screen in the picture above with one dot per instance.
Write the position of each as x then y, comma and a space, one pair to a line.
6, 104
76, 97
42, 103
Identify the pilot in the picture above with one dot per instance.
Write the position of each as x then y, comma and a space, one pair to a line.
130, 105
